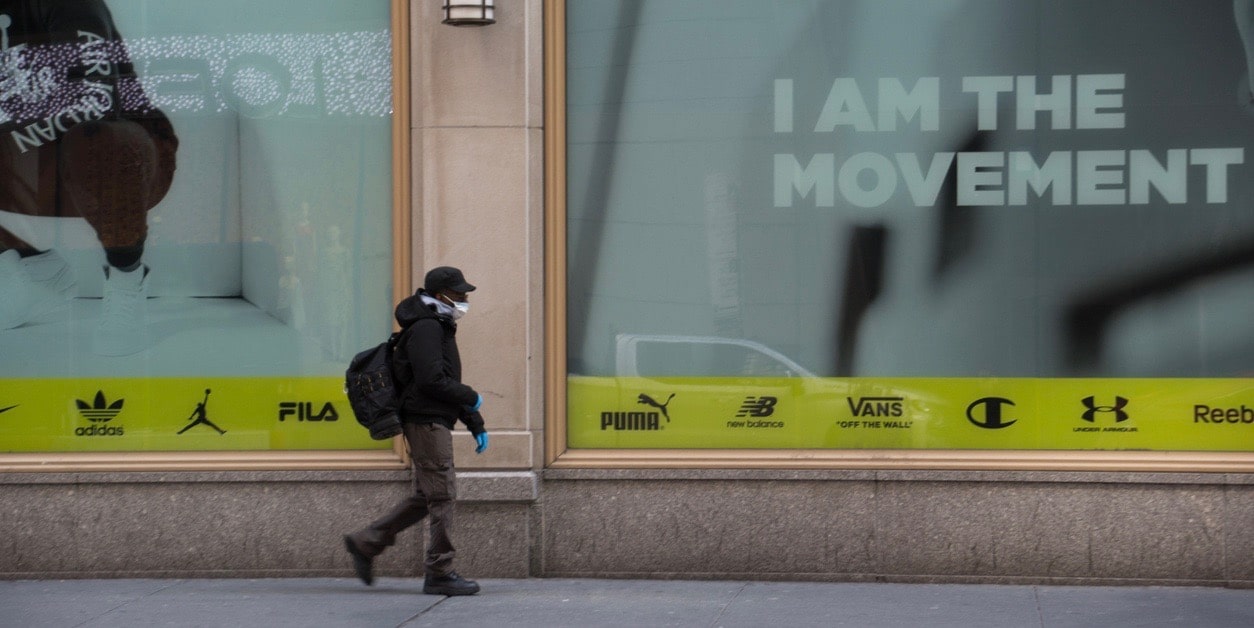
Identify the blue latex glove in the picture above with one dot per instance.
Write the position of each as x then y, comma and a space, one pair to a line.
478, 403
481, 442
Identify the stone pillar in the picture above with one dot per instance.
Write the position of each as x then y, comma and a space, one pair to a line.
478, 204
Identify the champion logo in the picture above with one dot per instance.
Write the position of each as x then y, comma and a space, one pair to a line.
100, 410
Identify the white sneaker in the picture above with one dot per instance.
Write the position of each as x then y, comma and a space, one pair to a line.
123, 326
33, 287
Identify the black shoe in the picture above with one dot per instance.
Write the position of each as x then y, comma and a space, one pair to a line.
362, 564
450, 584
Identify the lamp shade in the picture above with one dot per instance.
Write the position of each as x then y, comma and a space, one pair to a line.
469, 12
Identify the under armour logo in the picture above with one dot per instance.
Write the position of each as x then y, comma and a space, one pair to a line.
1093, 408
758, 406
649, 401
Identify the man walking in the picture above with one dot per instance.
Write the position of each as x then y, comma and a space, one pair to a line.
432, 398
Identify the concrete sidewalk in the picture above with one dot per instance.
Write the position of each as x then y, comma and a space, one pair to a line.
546, 603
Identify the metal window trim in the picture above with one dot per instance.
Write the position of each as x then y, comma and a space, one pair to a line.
393, 458
558, 455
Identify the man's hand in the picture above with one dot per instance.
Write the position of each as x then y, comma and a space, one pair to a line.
478, 403
481, 442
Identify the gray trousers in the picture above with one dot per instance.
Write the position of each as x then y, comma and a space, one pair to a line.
435, 489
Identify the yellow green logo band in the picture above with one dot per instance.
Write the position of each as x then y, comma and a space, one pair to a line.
178, 414
911, 413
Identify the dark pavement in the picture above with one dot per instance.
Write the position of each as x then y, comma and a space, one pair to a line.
527, 603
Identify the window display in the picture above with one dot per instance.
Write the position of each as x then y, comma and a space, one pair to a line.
195, 222
870, 224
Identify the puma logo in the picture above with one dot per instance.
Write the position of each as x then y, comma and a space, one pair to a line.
649, 401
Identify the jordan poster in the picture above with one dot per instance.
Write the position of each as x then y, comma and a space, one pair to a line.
195, 221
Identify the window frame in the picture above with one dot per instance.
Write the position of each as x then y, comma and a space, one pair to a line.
557, 454
338, 459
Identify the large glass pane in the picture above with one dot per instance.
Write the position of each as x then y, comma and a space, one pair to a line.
195, 221
962, 224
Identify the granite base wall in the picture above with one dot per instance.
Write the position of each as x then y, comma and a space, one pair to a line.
1072, 528
233, 524
1172, 529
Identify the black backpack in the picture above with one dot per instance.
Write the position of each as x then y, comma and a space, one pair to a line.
373, 390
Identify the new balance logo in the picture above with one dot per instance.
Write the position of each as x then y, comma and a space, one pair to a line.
757, 406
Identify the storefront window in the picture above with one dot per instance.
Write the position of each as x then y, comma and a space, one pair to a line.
195, 222
892, 224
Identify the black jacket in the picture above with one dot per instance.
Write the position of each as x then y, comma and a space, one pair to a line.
429, 368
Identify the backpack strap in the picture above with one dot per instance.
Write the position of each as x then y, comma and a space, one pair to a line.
397, 341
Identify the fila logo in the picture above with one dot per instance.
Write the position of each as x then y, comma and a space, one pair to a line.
758, 406
1093, 409
304, 411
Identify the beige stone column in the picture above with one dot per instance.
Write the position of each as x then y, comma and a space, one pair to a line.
477, 114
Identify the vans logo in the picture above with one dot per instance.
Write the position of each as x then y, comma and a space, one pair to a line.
876, 406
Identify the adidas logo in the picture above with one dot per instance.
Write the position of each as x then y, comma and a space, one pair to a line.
99, 411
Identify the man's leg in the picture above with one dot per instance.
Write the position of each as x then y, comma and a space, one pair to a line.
433, 458
381, 533
433, 462
110, 172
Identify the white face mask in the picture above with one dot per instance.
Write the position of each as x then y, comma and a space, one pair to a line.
460, 308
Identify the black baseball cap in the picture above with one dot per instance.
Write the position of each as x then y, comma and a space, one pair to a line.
446, 278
